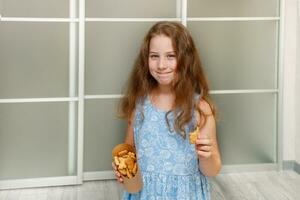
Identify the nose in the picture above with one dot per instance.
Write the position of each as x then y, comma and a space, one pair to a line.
161, 64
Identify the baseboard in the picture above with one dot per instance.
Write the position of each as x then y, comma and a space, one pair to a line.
288, 164
291, 165
248, 168
100, 175
297, 167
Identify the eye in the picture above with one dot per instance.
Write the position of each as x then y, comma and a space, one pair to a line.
153, 56
171, 56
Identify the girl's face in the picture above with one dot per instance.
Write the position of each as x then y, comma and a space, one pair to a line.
162, 60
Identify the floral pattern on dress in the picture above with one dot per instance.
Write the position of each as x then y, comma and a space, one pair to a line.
168, 162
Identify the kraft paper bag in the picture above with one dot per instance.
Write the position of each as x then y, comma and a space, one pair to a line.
134, 184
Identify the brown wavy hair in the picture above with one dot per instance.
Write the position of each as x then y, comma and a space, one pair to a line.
190, 77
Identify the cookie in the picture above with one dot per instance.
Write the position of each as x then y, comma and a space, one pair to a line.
125, 162
193, 135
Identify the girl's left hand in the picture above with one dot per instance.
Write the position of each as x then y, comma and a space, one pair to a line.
203, 147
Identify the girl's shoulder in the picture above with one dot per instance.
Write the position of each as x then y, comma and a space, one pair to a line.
140, 104
204, 106
141, 100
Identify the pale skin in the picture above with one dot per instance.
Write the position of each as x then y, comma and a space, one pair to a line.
206, 144
162, 66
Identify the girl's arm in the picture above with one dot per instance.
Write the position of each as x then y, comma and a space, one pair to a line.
129, 139
206, 143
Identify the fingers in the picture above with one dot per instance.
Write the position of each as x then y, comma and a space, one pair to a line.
119, 177
203, 154
114, 166
203, 148
203, 142
117, 174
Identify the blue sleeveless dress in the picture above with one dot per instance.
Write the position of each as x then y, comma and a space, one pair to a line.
168, 162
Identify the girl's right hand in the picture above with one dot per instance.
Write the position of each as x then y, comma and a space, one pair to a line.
118, 175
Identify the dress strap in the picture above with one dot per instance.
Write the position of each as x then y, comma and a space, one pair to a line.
197, 97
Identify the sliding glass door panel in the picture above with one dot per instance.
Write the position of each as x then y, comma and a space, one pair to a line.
103, 130
111, 49
34, 59
35, 8
246, 128
34, 140
233, 8
130, 8
237, 55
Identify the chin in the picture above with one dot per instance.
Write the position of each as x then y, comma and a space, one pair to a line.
165, 82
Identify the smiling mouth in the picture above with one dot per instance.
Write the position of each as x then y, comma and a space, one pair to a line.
165, 73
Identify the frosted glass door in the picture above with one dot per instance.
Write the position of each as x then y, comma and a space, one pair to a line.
233, 8
247, 128
130, 8
35, 127
109, 60
237, 55
103, 130
35, 8
35, 62
33, 140
240, 56
39, 139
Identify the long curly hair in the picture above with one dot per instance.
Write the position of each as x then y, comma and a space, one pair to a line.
190, 77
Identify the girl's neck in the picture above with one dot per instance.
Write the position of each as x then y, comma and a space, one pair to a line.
162, 98
163, 90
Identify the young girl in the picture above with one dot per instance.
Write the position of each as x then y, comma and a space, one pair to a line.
166, 99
